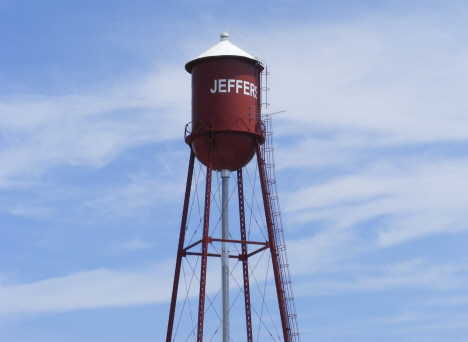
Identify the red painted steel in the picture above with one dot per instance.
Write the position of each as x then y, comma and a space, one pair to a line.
226, 131
205, 241
244, 242
288, 334
245, 265
271, 238
183, 225
225, 103
239, 256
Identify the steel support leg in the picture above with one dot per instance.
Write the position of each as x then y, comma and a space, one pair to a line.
245, 265
183, 225
205, 242
271, 238
225, 175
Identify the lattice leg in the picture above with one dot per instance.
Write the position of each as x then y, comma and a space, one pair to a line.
245, 265
271, 238
205, 242
183, 225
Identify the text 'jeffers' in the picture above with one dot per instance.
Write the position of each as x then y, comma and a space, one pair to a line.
225, 86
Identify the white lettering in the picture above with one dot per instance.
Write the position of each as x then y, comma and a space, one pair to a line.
246, 87
214, 89
230, 85
238, 85
222, 85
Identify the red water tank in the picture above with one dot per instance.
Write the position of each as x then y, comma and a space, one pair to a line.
225, 105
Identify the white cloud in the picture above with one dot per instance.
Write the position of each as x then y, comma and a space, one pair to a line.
323, 253
142, 191
88, 289
408, 274
361, 97
447, 301
136, 244
111, 288
397, 80
40, 132
418, 197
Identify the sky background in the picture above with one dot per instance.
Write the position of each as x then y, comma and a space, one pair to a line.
371, 162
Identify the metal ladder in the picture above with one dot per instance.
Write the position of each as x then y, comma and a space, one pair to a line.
286, 285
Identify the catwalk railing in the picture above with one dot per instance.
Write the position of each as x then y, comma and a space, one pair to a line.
269, 165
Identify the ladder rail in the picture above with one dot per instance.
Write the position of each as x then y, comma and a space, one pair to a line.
285, 275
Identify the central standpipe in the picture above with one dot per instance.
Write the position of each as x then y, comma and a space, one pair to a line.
225, 252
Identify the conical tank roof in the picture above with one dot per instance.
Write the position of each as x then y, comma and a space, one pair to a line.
223, 48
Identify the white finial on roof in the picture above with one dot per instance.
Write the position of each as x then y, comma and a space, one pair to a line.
224, 36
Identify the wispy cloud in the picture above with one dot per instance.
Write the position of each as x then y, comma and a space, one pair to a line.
140, 192
39, 132
415, 274
418, 197
397, 80
88, 289
372, 149
135, 244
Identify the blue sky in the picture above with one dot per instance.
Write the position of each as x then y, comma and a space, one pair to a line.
371, 162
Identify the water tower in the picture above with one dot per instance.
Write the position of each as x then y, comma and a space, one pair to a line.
227, 130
